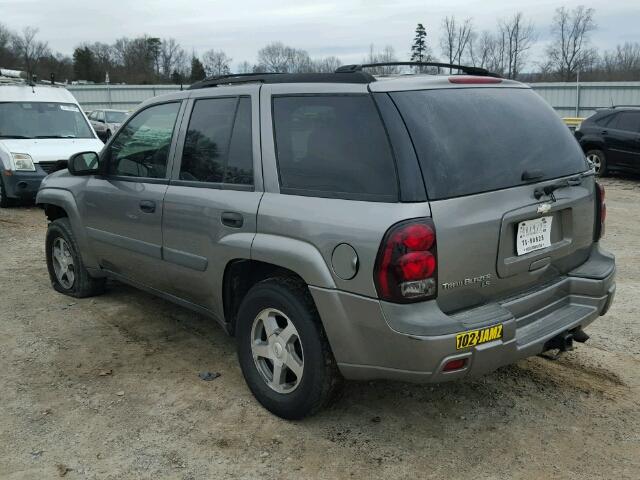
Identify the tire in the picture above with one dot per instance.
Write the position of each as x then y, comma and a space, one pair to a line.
108, 135
77, 282
297, 396
5, 202
598, 159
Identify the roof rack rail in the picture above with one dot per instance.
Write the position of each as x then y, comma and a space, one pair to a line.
463, 68
240, 78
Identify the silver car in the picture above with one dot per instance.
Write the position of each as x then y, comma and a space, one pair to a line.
106, 121
420, 227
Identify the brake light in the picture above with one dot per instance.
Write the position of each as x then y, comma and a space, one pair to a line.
469, 79
406, 266
601, 211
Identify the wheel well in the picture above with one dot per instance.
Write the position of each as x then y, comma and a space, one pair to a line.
53, 212
591, 146
240, 276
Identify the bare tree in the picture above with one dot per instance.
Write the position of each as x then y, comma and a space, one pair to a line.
245, 67
456, 39
326, 64
28, 49
172, 58
518, 36
216, 62
387, 55
277, 57
570, 51
623, 61
486, 51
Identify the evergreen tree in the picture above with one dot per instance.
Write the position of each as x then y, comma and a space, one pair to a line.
197, 70
419, 49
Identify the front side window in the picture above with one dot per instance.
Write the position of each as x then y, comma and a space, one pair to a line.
333, 146
218, 146
141, 147
42, 120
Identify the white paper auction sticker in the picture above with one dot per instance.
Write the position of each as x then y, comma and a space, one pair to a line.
69, 108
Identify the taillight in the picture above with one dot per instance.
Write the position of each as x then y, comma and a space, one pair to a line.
406, 267
601, 211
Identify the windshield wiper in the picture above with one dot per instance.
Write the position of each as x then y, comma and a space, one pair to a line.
574, 181
55, 136
14, 136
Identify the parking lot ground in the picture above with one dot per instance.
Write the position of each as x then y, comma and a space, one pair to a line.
108, 387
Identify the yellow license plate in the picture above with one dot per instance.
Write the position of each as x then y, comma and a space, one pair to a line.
476, 337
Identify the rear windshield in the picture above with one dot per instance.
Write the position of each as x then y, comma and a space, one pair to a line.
115, 117
481, 139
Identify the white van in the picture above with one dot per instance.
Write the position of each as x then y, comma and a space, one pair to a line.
39, 126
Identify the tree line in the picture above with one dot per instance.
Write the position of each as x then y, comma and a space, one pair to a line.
505, 50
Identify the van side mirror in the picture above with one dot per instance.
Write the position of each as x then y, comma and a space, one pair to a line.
84, 163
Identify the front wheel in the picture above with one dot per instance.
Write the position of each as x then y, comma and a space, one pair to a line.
283, 350
598, 161
66, 270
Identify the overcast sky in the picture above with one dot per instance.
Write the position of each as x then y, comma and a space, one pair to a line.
344, 28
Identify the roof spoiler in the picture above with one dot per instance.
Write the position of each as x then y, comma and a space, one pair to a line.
463, 68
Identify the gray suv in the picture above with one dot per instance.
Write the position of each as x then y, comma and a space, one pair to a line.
418, 227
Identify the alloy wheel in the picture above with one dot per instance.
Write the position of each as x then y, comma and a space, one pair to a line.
277, 350
63, 265
595, 161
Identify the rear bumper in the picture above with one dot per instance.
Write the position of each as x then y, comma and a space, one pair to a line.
374, 340
23, 185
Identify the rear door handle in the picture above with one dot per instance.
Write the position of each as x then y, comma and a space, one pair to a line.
148, 206
232, 219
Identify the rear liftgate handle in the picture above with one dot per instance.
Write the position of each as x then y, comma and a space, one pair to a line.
147, 206
232, 219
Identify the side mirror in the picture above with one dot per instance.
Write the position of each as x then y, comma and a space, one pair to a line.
83, 163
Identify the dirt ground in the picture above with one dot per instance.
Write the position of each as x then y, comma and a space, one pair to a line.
108, 387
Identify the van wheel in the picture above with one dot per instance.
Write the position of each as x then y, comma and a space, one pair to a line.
283, 350
5, 201
66, 270
597, 160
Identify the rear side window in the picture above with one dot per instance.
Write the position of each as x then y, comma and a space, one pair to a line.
218, 147
333, 146
628, 121
475, 140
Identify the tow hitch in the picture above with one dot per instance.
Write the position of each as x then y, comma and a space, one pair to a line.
564, 342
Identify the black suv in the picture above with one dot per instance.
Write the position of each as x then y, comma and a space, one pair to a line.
611, 139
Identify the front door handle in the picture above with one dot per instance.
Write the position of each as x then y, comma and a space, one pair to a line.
232, 219
604, 132
148, 206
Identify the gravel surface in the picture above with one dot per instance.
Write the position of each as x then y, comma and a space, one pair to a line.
109, 387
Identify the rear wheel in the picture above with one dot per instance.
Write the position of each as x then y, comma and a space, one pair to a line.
4, 200
598, 161
283, 351
66, 270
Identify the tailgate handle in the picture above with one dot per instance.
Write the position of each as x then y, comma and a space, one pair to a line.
540, 264
232, 219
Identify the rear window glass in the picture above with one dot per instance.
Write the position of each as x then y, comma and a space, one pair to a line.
333, 146
628, 121
482, 139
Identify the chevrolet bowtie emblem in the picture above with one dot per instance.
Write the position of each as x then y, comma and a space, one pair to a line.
544, 208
